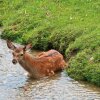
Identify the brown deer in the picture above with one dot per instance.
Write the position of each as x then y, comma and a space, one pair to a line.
44, 64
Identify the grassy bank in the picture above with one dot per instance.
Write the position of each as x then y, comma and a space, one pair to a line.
69, 26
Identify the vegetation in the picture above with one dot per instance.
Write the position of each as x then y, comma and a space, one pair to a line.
70, 26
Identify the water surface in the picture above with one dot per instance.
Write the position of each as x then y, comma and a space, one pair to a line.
15, 85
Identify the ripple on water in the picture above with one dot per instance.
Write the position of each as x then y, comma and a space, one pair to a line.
14, 85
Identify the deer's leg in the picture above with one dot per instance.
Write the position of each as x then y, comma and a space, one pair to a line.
50, 72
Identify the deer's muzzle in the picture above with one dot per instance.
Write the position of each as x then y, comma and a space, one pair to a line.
14, 61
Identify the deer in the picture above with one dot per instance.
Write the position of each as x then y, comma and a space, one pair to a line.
41, 65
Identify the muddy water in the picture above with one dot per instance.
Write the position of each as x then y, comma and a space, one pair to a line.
15, 85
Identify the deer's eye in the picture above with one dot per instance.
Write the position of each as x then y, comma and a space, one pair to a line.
21, 54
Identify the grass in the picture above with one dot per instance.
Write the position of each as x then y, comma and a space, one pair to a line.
69, 26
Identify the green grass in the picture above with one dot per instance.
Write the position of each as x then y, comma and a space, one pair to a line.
69, 26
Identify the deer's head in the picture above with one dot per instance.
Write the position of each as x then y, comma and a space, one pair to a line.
17, 52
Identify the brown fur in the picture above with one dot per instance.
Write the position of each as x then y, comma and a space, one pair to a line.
44, 64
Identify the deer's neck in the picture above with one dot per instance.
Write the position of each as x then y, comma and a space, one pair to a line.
27, 62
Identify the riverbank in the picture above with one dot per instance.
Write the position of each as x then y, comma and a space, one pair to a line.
15, 85
71, 27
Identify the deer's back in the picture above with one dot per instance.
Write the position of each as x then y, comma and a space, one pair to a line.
51, 60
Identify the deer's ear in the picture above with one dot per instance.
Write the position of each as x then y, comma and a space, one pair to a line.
27, 47
10, 45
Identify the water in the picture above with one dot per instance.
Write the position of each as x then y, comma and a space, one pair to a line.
15, 85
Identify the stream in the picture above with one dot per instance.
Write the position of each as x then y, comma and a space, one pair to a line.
15, 85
